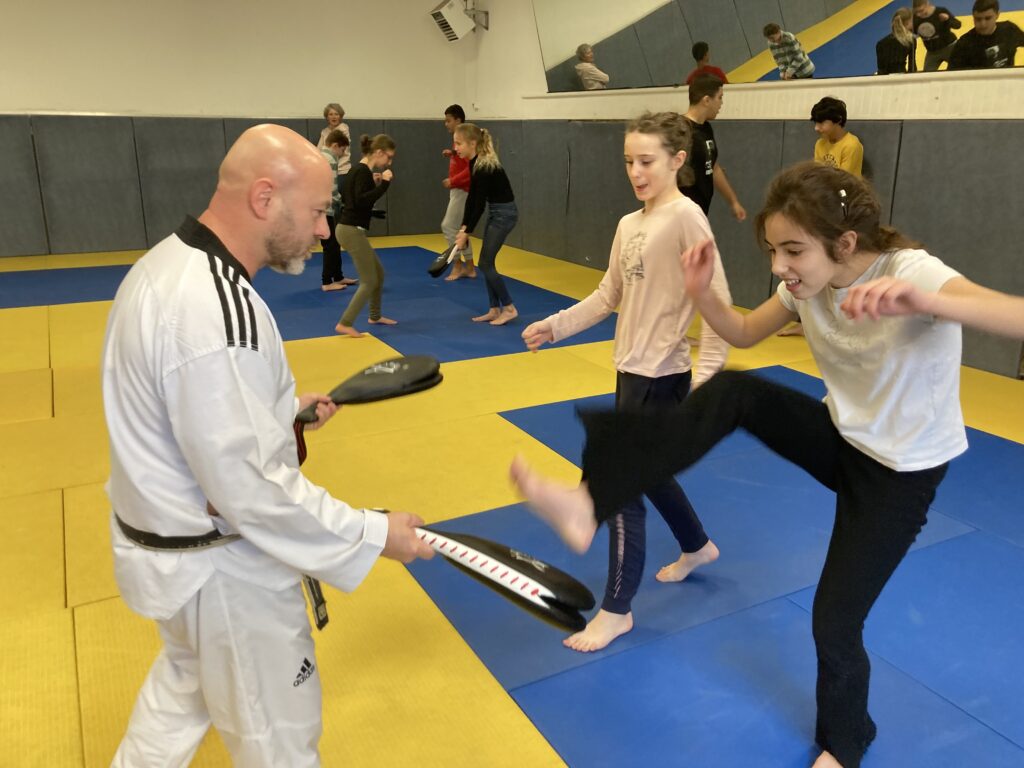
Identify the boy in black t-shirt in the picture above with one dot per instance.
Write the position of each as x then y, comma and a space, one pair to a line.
702, 175
991, 44
935, 25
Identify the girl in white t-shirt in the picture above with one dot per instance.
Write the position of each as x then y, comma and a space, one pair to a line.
882, 438
652, 357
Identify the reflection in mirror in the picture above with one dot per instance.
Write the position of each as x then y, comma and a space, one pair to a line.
598, 44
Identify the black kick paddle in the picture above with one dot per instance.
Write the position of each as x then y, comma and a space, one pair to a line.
386, 379
444, 260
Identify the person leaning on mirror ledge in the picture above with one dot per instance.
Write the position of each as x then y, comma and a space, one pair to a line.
591, 78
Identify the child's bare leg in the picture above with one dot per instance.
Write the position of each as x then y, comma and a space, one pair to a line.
601, 630
570, 511
687, 561
825, 760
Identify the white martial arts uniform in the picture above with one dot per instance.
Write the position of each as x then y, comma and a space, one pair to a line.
200, 403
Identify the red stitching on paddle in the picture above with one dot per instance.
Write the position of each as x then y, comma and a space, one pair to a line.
473, 560
513, 581
504, 574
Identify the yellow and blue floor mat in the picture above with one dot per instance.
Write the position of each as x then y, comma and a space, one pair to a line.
424, 667
843, 45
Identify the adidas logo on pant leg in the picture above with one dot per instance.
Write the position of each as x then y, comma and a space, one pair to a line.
307, 669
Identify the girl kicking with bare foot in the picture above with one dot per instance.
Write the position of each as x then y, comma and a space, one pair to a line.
652, 356
882, 439
359, 194
488, 185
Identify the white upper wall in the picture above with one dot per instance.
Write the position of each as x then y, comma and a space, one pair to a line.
563, 24
380, 59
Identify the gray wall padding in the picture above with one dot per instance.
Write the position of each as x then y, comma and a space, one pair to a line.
835, 6
958, 191
798, 15
416, 198
719, 28
666, 43
22, 226
568, 179
753, 15
90, 183
562, 77
178, 162
599, 192
621, 57
750, 152
543, 198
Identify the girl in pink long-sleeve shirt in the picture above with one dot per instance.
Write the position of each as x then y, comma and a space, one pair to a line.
652, 357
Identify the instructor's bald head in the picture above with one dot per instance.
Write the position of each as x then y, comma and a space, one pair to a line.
273, 194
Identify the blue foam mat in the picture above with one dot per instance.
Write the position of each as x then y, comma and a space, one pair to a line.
740, 691
434, 315
770, 520
952, 616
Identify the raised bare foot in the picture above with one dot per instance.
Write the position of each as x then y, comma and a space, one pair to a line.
570, 511
333, 287
796, 329
347, 330
682, 567
507, 314
825, 760
492, 313
383, 321
601, 630
457, 271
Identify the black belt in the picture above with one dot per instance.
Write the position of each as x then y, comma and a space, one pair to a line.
215, 538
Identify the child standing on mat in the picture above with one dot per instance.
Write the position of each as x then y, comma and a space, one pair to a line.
882, 439
358, 196
332, 278
652, 357
488, 185
457, 184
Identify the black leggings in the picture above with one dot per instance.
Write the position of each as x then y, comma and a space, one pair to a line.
627, 545
879, 513
332, 257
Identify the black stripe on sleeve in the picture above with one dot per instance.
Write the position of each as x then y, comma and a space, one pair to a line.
254, 341
243, 336
228, 325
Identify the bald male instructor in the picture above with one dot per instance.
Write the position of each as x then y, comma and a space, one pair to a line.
213, 523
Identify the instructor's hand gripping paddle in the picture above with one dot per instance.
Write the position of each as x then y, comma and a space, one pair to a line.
532, 584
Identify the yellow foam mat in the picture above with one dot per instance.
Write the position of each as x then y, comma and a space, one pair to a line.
53, 453
24, 339
388, 699
31, 556
26, 395
76, 333
89, 559
68, 260
993, 403
77, 390
333, 358
39, 724
439, 471
115, 649
475, 387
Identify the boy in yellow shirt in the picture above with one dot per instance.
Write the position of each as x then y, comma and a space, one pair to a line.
836, 146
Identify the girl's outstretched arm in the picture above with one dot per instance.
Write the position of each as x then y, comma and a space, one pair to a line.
958, 300
737, 329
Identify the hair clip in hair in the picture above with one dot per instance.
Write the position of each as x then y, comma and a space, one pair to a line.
842, 202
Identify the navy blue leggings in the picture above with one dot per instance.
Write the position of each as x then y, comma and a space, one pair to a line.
501, 219
627, 537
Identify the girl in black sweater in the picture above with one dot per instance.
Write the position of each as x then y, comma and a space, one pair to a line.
488, 185
896, 52
358, 195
